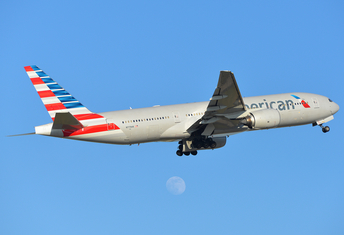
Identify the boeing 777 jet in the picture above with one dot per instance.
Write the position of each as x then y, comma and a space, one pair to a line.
195, 126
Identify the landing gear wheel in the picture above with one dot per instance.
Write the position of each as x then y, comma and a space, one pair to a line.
180, 147
179, 153
212, 144
326, 129
194, 153
187, 153
198, 145
206, 145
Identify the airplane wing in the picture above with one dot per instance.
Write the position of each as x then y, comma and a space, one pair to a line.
225, 106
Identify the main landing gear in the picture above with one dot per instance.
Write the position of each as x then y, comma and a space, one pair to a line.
180, 150
180, 153
194, 145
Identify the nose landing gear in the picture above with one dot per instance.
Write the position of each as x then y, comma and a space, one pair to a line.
325, 128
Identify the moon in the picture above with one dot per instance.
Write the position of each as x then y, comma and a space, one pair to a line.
175, 185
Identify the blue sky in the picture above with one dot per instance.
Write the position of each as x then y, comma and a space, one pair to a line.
114, 55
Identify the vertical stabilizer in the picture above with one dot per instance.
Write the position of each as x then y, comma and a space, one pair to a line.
70, 117
55, 98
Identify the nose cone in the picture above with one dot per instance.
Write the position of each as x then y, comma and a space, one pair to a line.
334, 107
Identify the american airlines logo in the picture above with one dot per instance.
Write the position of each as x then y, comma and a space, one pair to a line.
304, 103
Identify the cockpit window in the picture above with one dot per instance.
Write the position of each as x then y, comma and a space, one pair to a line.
330, 100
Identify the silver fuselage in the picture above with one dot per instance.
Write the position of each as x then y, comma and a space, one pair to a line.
171, 122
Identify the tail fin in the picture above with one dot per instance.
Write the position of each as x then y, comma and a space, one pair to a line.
55, 98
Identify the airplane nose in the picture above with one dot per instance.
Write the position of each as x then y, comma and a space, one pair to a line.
335, 108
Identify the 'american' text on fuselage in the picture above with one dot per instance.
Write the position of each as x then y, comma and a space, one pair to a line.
280, 105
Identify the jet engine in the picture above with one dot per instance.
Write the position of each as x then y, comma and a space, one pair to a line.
262, 119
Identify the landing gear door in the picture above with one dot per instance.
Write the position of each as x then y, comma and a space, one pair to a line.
176, 117
315, 103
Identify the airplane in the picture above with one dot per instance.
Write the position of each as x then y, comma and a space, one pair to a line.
195, 126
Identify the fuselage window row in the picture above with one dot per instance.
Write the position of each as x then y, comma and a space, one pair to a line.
193, 114
146, 119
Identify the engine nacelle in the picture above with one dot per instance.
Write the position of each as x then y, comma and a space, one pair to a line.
220, 141
263, 119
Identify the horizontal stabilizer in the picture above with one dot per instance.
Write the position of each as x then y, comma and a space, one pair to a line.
66, 121
22, 134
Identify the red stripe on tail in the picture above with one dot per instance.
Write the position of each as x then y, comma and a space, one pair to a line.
37, 81
45, 94
52, 107
28, 68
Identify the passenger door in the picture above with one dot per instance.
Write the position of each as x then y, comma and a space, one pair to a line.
315, 103
176, 117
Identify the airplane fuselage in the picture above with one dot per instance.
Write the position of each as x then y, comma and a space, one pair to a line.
169, 123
